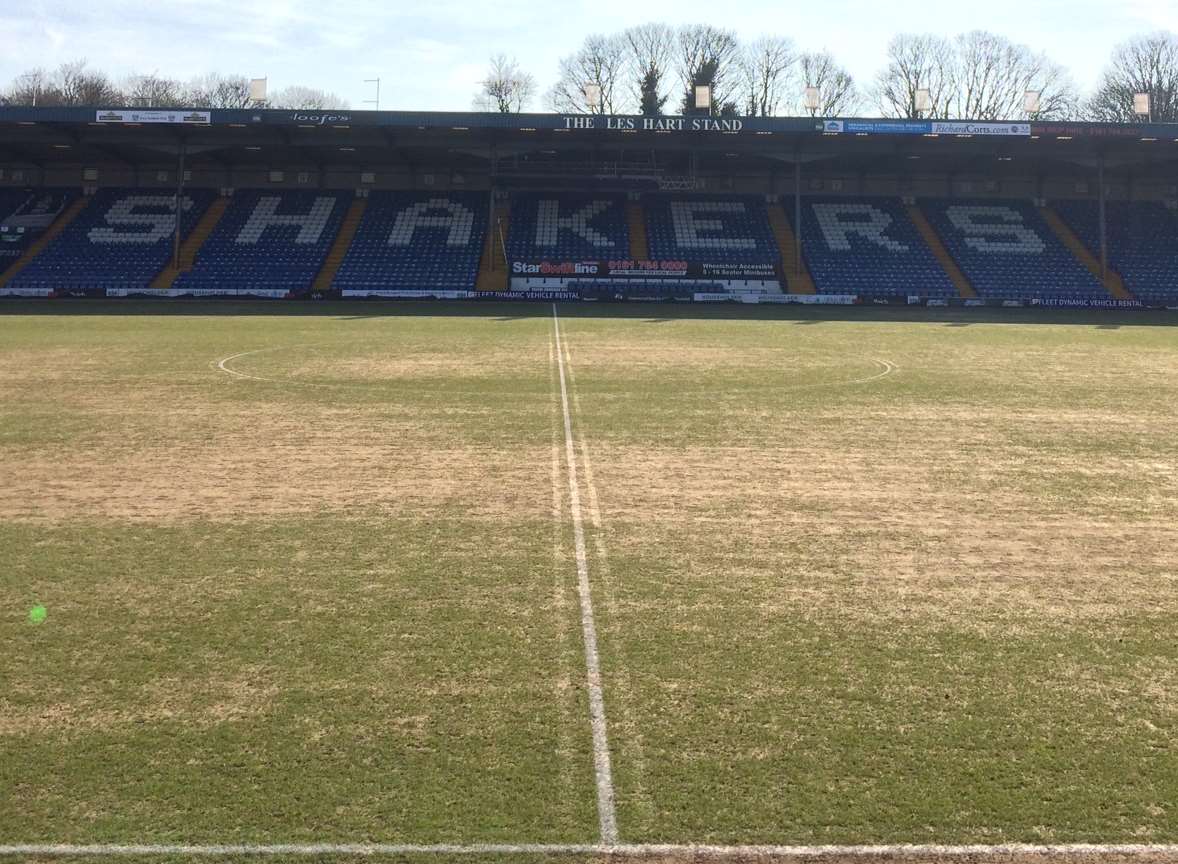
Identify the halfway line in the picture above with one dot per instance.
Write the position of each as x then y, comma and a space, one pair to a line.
601, 759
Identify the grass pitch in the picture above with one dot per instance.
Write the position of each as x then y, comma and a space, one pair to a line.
858, 580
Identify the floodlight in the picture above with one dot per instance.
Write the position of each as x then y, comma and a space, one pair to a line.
1141, 105
258, 90
924, 100
813, 99
703, 97
1031, 102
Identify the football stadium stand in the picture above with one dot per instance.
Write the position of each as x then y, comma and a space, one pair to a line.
870, 247
710, 229
294, 241
291, 203
639, 238
551, 227
1142, 244
416, 241
1008, 252
120, 241
340, 246
25, 214
797, 276
276, 241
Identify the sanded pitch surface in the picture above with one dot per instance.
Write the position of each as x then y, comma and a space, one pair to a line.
862, 577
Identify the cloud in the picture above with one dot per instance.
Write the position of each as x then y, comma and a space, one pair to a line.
1153, 14
432, 53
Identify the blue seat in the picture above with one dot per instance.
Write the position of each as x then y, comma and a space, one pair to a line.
561, 227
1142, 243
24, 216
869, 247
121, 240
270, 240
1008, 252
710, 229
416, 242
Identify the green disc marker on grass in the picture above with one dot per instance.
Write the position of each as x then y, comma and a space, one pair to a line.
38, 614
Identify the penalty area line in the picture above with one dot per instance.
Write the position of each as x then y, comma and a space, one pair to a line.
624, 850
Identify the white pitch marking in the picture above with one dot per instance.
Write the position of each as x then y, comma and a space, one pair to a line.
606, 813
631, 747
224, 364
634, 850
887, 366
564, 694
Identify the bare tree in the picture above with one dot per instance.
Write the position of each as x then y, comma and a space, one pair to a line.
651, 57
1146, 64
837, 93
307, 98
506, 89
219, 91
767, 68
993, 76
81, 86
34, 87
707, 55
917, 63
601, 62
152, 91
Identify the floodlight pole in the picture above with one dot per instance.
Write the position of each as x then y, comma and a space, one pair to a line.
376, 101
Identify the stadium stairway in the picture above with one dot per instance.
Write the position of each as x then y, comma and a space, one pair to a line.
1113, 282
639, 242
341, 245
493, 264
933, 241
192, 244
41, 243
797, 276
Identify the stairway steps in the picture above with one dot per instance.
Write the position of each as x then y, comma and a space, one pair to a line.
639, 239
192, 244
937, 247
1113, 283
341, 245
493, 264
48, 236
797, 275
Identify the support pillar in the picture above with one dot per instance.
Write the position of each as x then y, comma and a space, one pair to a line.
1103, 220
798, 217
179, 195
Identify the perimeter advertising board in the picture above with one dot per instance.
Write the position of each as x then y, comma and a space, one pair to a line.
926, 127
632, 269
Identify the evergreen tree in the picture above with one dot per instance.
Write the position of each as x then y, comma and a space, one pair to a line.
652, 103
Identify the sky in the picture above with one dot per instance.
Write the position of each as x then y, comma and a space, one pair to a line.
430, 54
